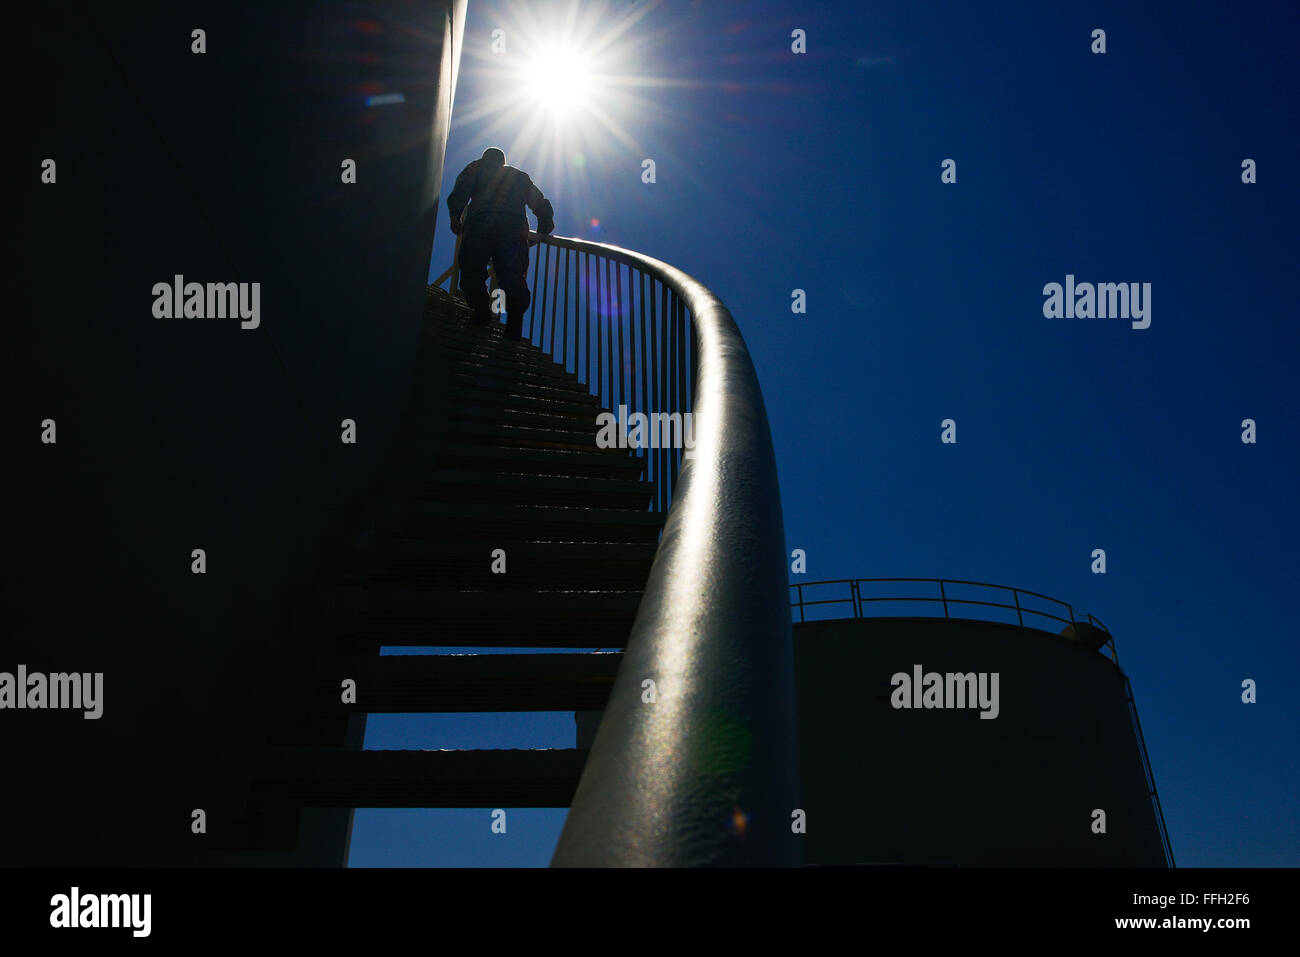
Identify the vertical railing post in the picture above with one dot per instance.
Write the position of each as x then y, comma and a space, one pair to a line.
682, 407
600, 344
537, 323
670, 340
618, 311
645, 365
564, 338
555, 298
1019, 616
586, 299
607, 323
944, 596
532, 305
652, 405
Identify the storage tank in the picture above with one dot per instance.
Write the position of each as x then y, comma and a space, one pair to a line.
952, 723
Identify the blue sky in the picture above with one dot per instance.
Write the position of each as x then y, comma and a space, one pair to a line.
821, 171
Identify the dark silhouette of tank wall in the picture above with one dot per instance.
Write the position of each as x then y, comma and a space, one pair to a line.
945, 786
225, 165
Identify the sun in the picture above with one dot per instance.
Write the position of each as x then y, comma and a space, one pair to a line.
558, 79
567, 86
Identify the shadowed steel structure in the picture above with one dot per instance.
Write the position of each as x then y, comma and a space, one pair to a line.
695, 759
233, 446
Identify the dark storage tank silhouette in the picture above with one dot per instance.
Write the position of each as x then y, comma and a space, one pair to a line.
932, 737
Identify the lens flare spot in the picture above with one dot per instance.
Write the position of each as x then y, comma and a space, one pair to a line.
739, 821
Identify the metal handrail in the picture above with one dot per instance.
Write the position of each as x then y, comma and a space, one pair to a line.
701, 766
858, 600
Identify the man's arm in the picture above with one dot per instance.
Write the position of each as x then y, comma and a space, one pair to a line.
460, 193
541, 207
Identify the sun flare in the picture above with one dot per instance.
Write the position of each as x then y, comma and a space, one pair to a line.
568, 86
558, 79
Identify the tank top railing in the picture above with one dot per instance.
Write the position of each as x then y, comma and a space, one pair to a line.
811, 595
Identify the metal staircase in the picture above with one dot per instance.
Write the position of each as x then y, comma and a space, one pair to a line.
498, 451
510, 462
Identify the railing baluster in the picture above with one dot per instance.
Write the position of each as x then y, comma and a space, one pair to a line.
645, 363
586, 272
609, 346
537, 325
681, 379
600, 344
660, 478
670, 335
537, 264
632, 405
622, 395
555, 298
695, 361
564, 337
652, 453
661, 366
667, 395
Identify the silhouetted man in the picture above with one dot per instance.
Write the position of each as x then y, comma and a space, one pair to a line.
496, 228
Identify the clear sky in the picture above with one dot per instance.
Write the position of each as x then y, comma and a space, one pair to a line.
821, 171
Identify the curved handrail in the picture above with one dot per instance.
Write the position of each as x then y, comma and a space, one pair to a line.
858, 600
695, 759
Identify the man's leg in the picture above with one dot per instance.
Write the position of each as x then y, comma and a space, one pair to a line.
475, 248
511, 259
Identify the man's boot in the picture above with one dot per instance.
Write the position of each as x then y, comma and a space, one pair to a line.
514, 325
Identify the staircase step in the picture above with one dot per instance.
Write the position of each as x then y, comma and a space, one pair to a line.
323, 777
471, 433
602, 554
549, 373
485, 377
479, 346
459, 485
528, 523
570, 403
521, 415
535, 461
500, 619
418, 684
466, 563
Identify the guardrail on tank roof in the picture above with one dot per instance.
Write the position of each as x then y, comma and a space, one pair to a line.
858, 601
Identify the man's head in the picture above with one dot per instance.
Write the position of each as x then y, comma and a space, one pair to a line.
494, 157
